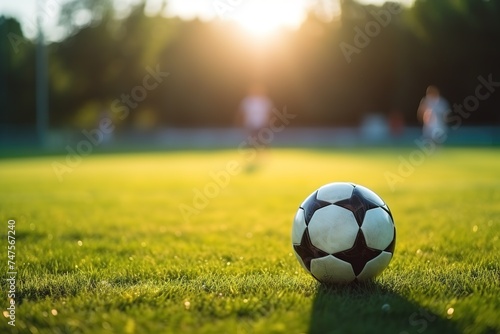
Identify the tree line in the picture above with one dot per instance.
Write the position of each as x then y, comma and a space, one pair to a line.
372, 59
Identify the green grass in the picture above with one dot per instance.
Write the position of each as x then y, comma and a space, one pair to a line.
108, 250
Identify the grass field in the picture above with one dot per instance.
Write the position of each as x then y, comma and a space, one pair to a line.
126, 244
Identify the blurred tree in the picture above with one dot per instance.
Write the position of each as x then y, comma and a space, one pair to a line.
331, 71
75, 14
17, 75
99, 62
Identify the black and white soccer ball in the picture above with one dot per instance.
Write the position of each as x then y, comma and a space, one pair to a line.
342, 233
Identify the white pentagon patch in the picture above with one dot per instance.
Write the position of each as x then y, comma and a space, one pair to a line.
333, 229
299, 226
370, 195
375, 266
334, 192
378, 228
329, 269
300, 260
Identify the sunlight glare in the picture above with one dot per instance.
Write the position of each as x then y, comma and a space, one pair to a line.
262, 18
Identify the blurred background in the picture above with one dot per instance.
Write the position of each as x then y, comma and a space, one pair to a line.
173, 73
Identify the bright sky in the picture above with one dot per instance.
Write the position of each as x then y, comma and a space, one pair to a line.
258, 17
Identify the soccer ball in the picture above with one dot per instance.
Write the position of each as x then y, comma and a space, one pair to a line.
342, 233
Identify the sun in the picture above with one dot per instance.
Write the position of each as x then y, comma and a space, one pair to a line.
262, 18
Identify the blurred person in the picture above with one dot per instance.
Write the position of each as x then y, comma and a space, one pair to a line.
432, 112
256, 110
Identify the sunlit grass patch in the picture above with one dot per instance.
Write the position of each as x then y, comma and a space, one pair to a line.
109, 250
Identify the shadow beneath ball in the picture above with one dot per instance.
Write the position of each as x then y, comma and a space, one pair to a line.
370, 307
354, 287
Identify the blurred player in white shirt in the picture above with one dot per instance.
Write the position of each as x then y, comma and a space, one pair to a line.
432, 112
256, 110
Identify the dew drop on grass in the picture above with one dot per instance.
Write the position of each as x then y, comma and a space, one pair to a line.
187, 305
6, 314
54, 312
80, 243
450, 312
419, 252
474, 228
